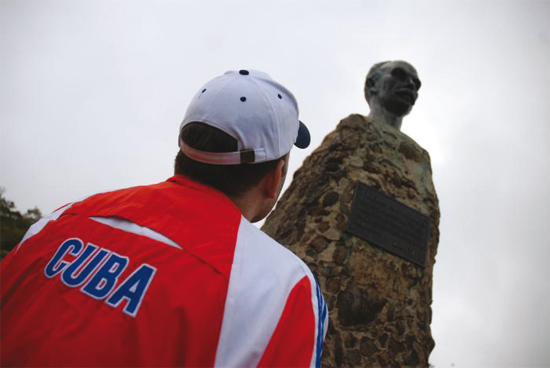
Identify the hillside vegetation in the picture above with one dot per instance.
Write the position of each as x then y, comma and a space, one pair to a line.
13, 224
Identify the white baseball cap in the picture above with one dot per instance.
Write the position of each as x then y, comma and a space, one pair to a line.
258, 112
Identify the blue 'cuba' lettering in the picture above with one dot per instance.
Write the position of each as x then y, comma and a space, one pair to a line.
72, 277
133, 289
56, 264
105, 279
101, 279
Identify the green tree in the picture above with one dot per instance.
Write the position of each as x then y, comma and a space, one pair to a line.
13, 224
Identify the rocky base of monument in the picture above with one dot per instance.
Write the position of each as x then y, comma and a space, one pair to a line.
379, 303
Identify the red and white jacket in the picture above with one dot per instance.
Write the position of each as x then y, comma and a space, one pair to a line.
164, 275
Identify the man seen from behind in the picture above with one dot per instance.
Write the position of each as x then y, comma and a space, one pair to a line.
175, 274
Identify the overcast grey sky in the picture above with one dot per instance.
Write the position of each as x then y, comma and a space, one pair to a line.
92, 93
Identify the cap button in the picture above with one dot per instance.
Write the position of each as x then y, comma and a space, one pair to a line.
243, 72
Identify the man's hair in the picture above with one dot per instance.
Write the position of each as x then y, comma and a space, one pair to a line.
232, 180
374, 75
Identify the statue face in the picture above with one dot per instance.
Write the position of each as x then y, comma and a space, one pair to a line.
397, 87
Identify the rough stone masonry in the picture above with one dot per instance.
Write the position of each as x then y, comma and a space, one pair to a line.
379, 303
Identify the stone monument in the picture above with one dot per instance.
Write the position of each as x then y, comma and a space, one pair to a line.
363, 213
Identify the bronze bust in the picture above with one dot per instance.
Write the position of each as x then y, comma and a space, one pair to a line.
391, 89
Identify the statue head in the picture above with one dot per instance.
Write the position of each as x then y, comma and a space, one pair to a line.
393, 85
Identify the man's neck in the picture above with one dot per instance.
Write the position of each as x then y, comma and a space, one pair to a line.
251, 204
246, 206
383, 116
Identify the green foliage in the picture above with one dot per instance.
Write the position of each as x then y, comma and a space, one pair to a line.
13, 224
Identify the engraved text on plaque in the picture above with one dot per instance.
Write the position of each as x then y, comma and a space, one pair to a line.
389, 224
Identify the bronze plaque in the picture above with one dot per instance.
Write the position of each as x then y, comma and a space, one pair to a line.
389, 224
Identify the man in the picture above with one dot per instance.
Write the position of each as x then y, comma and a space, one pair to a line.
391, 89
175, 274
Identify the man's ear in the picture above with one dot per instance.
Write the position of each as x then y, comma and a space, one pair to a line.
369, 89
371, 86
273, 180
370, 82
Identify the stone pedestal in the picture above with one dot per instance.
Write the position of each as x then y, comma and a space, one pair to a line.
379, 304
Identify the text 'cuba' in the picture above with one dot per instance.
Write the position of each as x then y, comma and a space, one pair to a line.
105, 268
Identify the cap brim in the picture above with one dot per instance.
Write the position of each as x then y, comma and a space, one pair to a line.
303, 139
